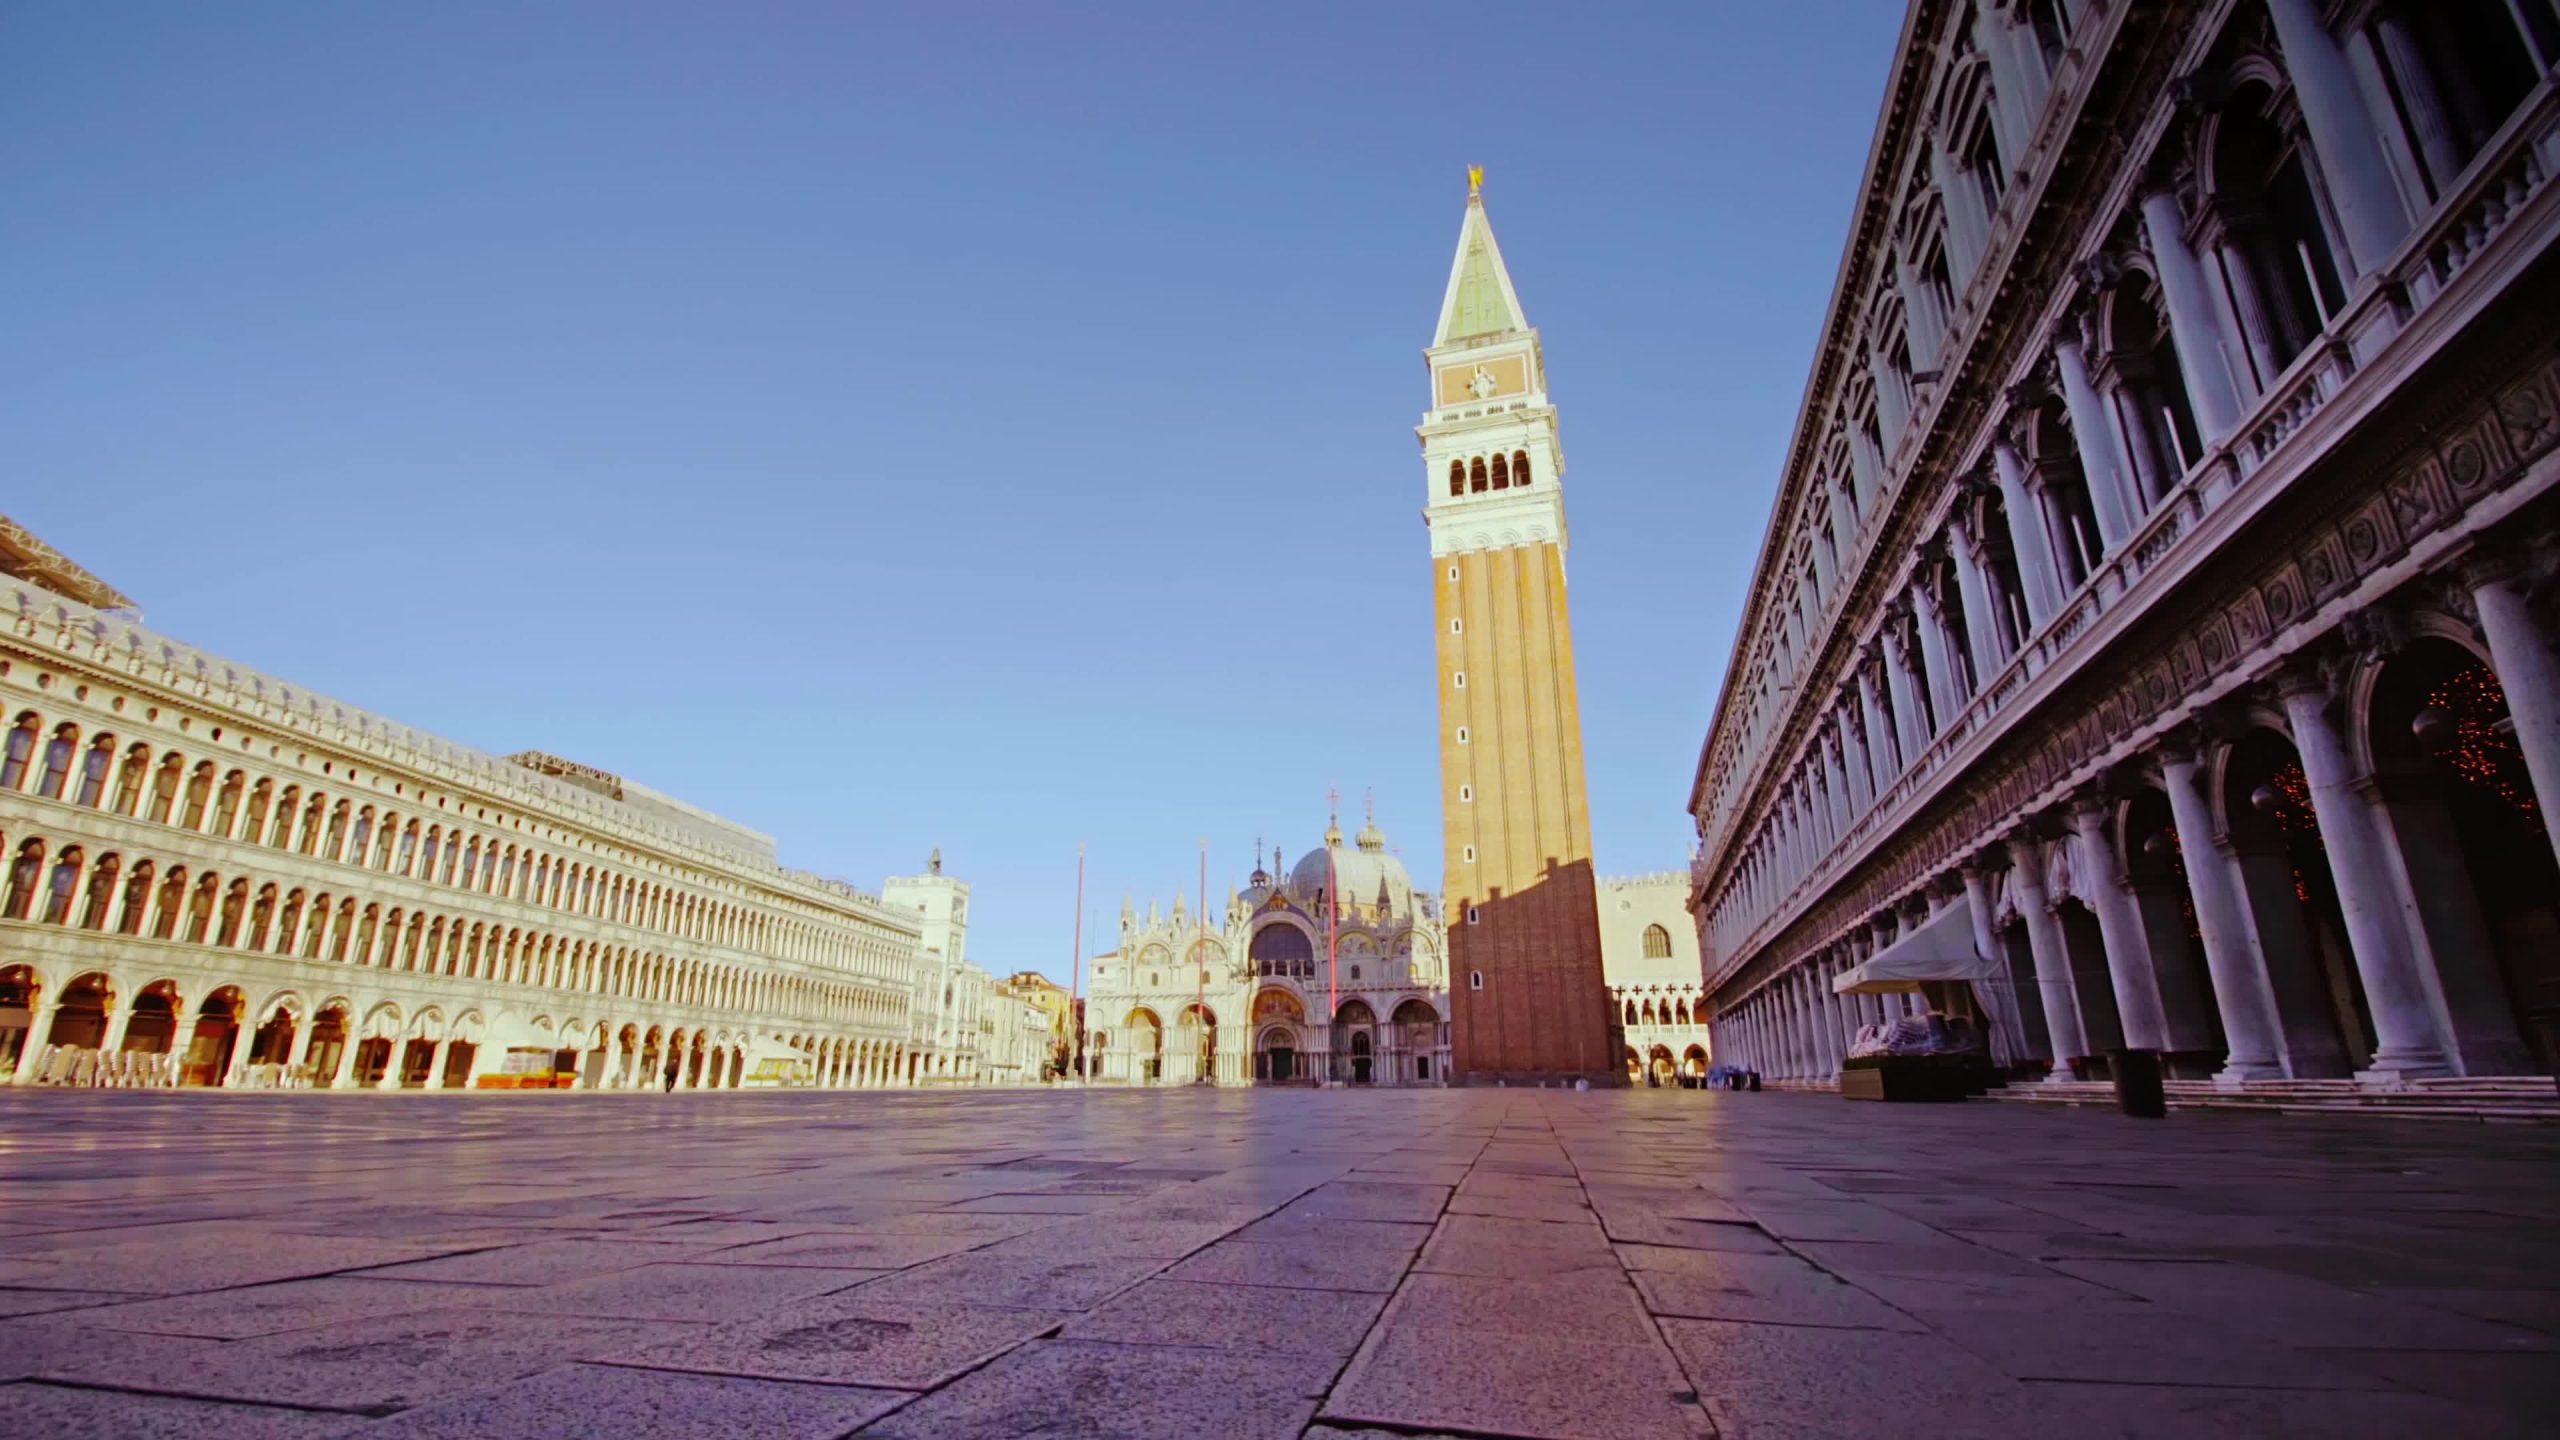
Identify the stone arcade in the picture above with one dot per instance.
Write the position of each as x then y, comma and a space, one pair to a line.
2157, 601
215, 878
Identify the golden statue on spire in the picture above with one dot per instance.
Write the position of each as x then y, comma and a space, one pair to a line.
1475, 181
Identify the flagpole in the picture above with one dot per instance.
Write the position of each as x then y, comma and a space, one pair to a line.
1075, 971
1200, 953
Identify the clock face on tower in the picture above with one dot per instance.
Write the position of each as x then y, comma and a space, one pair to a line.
1483, 383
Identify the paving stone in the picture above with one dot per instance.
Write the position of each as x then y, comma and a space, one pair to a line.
1031, 1282
1775, 1290
1232, 1317
1781, 1382
276, 1309
1688, 1234
1836, 1220
633, 1404
2302, 1312
2178, 1412
222, 1257
696, 1293
1362, 1199
41, 1302
1241, 1262
393, 1363
1140, 1392
1555, 1387
851, 1338
541, 1262
61, 1412
2140, 1343
842, 1251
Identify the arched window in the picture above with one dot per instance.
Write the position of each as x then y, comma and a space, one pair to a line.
226, 807
311, 820
199, 796
130, 783
24, 875
94, 771
427, 856
1457, 477
57, 761
200, 908
1501, 471
1631, 1012
1476, 476
65, 884
2274, 244
102, 892
1519, 467
19, 752
137, 900
281, 837
2460, 69
1657, 943
290, 923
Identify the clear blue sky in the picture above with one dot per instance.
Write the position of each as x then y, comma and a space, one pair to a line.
900, 426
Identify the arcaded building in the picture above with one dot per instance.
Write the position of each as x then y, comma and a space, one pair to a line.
215, 877
1331, 972
2152, 640
1649, 952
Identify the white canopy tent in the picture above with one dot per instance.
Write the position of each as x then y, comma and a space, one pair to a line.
1943, 950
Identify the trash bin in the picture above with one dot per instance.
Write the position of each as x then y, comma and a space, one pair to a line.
1755, 1082
2138, 1088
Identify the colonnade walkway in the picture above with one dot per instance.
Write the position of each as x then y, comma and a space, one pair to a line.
1264, 1263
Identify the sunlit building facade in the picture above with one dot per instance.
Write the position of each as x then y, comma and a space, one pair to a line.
217, 878
2153, 629
1332, 972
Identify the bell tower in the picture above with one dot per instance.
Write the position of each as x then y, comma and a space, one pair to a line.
1527, 997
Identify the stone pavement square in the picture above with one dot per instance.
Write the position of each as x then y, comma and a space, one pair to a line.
1327, 1264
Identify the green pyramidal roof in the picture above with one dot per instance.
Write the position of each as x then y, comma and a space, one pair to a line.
1480, 299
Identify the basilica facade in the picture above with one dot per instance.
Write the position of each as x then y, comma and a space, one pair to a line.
1332, 972
215, 877
2153, 644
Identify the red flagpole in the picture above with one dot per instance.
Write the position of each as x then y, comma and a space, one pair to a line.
1075, 970
1200, 1007
1332, 908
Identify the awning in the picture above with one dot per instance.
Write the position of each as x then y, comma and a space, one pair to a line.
1942, 949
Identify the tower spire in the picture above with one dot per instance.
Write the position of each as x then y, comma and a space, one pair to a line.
1480, 302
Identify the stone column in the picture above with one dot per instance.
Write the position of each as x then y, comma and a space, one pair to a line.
2129, 968
1947, 693
2343, 136
2240, 988
2111, 492
2448, 934
301, 1050
2527, 668
2052, 956
1854, 764
2409, 1041
1906, 695
1983, 626
2027, 534
344, 1076
435, 1063
1893, 407
1836, 773
1964, 229
2195, 330
391, 1067
39, 1026
1881, 760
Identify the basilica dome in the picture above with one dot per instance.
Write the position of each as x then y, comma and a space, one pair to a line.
1358, 871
